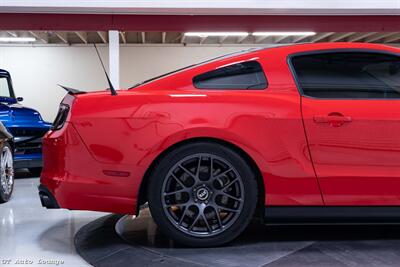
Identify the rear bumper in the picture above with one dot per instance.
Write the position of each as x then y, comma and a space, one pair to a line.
47, 199
76, 180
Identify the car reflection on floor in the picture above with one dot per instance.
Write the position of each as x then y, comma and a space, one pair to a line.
29, 233
124, 239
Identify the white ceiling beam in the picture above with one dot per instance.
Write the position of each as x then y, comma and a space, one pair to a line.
392, 38
359, 36
123, 36
241, 39
280, 38
183, 38
259, 39
82, 36
12, 33
202, 39
163, 37
143, 34
339, 36
103, 36
42, 36
222, 39
378, 36
63, 36
320, 36
178, 37
300, 38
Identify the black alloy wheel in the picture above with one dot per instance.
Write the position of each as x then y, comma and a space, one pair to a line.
202, 194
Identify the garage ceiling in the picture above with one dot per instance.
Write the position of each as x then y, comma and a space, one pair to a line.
84, 37
215, 7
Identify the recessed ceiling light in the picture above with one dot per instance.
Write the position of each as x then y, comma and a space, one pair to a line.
17, 39
205, 34
283, 33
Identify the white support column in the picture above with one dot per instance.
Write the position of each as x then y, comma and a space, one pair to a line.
113, 52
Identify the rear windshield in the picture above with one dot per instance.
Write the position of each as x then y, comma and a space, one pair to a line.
244, 75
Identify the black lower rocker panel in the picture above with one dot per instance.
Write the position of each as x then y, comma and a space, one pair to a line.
333, 214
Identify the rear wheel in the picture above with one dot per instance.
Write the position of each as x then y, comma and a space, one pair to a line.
6, 173
202, 194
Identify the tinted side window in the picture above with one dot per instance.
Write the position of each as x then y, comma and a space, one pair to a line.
348, 75
245, 75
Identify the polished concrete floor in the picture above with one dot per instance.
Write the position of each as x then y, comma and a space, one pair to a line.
120, 241
30, 234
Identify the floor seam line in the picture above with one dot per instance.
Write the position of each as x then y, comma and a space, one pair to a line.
292, 252
108, 255
333, 257
168, 256
157, 253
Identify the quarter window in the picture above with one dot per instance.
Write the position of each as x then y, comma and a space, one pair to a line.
245, 75
348, 75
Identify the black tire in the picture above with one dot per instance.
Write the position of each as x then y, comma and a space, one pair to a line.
35, 171
162, 172
5, 196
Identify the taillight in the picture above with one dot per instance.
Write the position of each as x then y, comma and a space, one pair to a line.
61, 117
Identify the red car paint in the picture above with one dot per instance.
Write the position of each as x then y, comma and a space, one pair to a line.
98, 160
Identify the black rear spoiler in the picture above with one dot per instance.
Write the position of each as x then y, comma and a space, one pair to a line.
72, 91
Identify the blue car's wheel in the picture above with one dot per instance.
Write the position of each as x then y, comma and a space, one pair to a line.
6, 173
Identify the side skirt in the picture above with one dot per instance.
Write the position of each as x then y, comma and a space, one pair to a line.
332, 215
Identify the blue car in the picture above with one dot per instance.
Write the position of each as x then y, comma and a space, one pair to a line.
25, 124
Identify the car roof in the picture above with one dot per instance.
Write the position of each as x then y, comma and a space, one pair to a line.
334, 45
285, 49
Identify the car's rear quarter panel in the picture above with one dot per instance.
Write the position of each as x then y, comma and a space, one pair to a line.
127, 132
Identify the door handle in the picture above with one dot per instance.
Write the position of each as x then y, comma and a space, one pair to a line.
334, 119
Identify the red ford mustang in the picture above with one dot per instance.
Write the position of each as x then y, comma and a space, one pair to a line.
302, 133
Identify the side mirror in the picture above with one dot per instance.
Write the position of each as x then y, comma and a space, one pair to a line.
20, 99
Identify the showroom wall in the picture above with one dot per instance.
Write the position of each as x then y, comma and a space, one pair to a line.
37, 70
